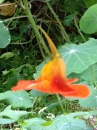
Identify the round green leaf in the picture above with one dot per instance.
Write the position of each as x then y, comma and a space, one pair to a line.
91, 101
17, 114
4, 36
17, 99
79, 57
88, 22
67, 123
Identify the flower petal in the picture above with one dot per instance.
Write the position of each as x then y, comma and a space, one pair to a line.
81, 91
22, 84
71, 80
42, 86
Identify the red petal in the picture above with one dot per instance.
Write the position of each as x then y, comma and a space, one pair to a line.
71, 80
22, 84
81, 91
43, 86
59, 84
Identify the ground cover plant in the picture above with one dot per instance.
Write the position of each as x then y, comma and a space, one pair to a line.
48, 65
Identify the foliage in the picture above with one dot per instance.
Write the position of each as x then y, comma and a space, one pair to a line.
4, 36
20, 58
89, 20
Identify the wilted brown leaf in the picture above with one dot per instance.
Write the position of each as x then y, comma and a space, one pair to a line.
7, 8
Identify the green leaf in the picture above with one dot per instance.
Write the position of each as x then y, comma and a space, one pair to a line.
54, 105
89, 74
1, 1
88, 22
34, 123
72, 5
4, 36
69, 19
77, 124
61, 122
36, 93
86, 115
7, 55
17, 99
14, 114
91, 101
90, 2
22, 29
79, 57
5, 121
66, 123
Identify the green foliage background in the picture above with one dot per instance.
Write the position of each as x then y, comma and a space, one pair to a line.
20, 58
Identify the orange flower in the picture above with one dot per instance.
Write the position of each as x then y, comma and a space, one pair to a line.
53, 78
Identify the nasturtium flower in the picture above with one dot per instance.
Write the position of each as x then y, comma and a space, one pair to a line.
53, 78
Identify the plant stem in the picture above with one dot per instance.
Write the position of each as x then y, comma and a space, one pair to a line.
12, 18
79, 30
41, 50
57, 19
34, 26
93, 76
60, 102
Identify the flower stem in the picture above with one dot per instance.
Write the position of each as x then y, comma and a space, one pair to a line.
34, 26
79, 30
93, 76
57, 19
60, 102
